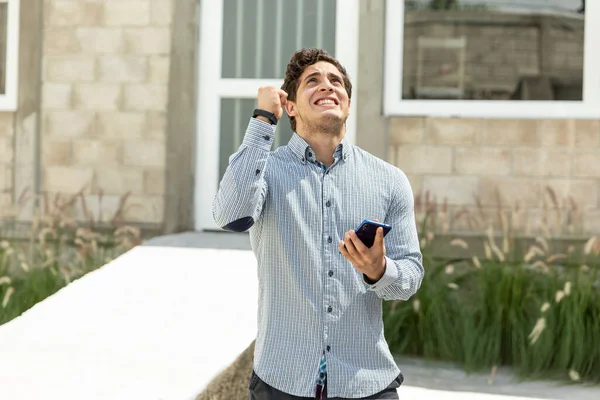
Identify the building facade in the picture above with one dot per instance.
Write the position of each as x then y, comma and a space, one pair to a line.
486, 106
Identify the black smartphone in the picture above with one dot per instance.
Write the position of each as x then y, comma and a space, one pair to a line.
367, 230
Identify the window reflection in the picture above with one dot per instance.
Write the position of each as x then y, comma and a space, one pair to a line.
493, 49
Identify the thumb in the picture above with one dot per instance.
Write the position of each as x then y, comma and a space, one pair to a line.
379, 235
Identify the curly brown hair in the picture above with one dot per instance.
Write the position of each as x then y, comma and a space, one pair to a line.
298, 63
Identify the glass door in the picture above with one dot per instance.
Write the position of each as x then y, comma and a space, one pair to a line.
245, 44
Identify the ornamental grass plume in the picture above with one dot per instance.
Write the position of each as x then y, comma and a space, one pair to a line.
539, 327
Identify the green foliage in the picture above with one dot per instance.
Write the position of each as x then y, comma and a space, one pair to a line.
56, 253
545, 322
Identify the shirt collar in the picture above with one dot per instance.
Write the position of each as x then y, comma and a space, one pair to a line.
304, 152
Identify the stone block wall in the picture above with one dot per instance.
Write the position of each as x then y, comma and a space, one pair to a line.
478, 164
104, 102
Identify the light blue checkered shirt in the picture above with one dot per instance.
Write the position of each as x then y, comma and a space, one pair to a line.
311, 299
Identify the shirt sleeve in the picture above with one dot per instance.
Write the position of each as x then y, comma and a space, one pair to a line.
404, 261
243, 189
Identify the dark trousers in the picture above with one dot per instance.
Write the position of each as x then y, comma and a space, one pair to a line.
259, 390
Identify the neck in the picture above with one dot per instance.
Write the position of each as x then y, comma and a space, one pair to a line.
322, 143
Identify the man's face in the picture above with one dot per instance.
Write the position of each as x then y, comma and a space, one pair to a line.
321, 99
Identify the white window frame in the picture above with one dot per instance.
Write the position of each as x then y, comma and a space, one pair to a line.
8, 100
394, 105
212, 88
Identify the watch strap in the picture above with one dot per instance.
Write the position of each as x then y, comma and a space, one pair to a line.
270, 116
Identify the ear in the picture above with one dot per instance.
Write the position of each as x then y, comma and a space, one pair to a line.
290, 108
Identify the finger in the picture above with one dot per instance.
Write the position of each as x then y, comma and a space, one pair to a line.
350, 245
344, 251
379, 237
358, 244
376, 220
282, 93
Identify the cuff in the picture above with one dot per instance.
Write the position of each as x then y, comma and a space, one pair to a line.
389, 276
259, 134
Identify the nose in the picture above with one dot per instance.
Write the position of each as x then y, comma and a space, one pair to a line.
326, 86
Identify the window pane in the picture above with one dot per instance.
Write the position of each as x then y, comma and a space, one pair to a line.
259, 36
235, 115
3, 34
493, 49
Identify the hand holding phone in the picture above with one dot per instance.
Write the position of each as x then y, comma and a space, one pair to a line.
367, 230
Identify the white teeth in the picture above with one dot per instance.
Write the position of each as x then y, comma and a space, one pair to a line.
325, 101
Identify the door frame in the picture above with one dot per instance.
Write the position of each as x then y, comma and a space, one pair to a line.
212, 88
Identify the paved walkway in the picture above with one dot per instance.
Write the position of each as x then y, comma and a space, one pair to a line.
158, 323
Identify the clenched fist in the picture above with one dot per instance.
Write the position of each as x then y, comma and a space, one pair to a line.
272, 100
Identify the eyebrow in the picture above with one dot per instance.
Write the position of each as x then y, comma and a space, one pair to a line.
330, 74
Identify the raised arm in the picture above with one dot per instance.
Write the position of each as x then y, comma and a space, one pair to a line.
243, 189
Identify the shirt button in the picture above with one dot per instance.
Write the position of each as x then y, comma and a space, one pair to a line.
329, 309
266, 137
329, 239
309, 154
328, 204
330, 273
328, 348
257, 171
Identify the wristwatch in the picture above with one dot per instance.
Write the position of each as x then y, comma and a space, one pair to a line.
270, 116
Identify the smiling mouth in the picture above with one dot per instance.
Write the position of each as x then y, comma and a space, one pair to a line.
326, 102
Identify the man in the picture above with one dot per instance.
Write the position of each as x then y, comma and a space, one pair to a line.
320, 331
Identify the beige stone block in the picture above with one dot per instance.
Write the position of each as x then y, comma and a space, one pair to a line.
67, 180
5, 178
121, 125
57, 96
146, 97
586, 163
482, 161
457, 190
591, 222
155, 41
93, 12
583, 192
415, 159
123, 68
61, 41
162, 12
154, 182
69, 124
156, 127
97, 96
540, 162
6, 150
145, 209
453, 130
98, 208
587, 133
557, 132
159, 70
127, 13
75, 68
511, 132
119, 180
64, 13
145, 154
101, 40
56, 152
511, 190
6, 123
96, 152
406, 130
